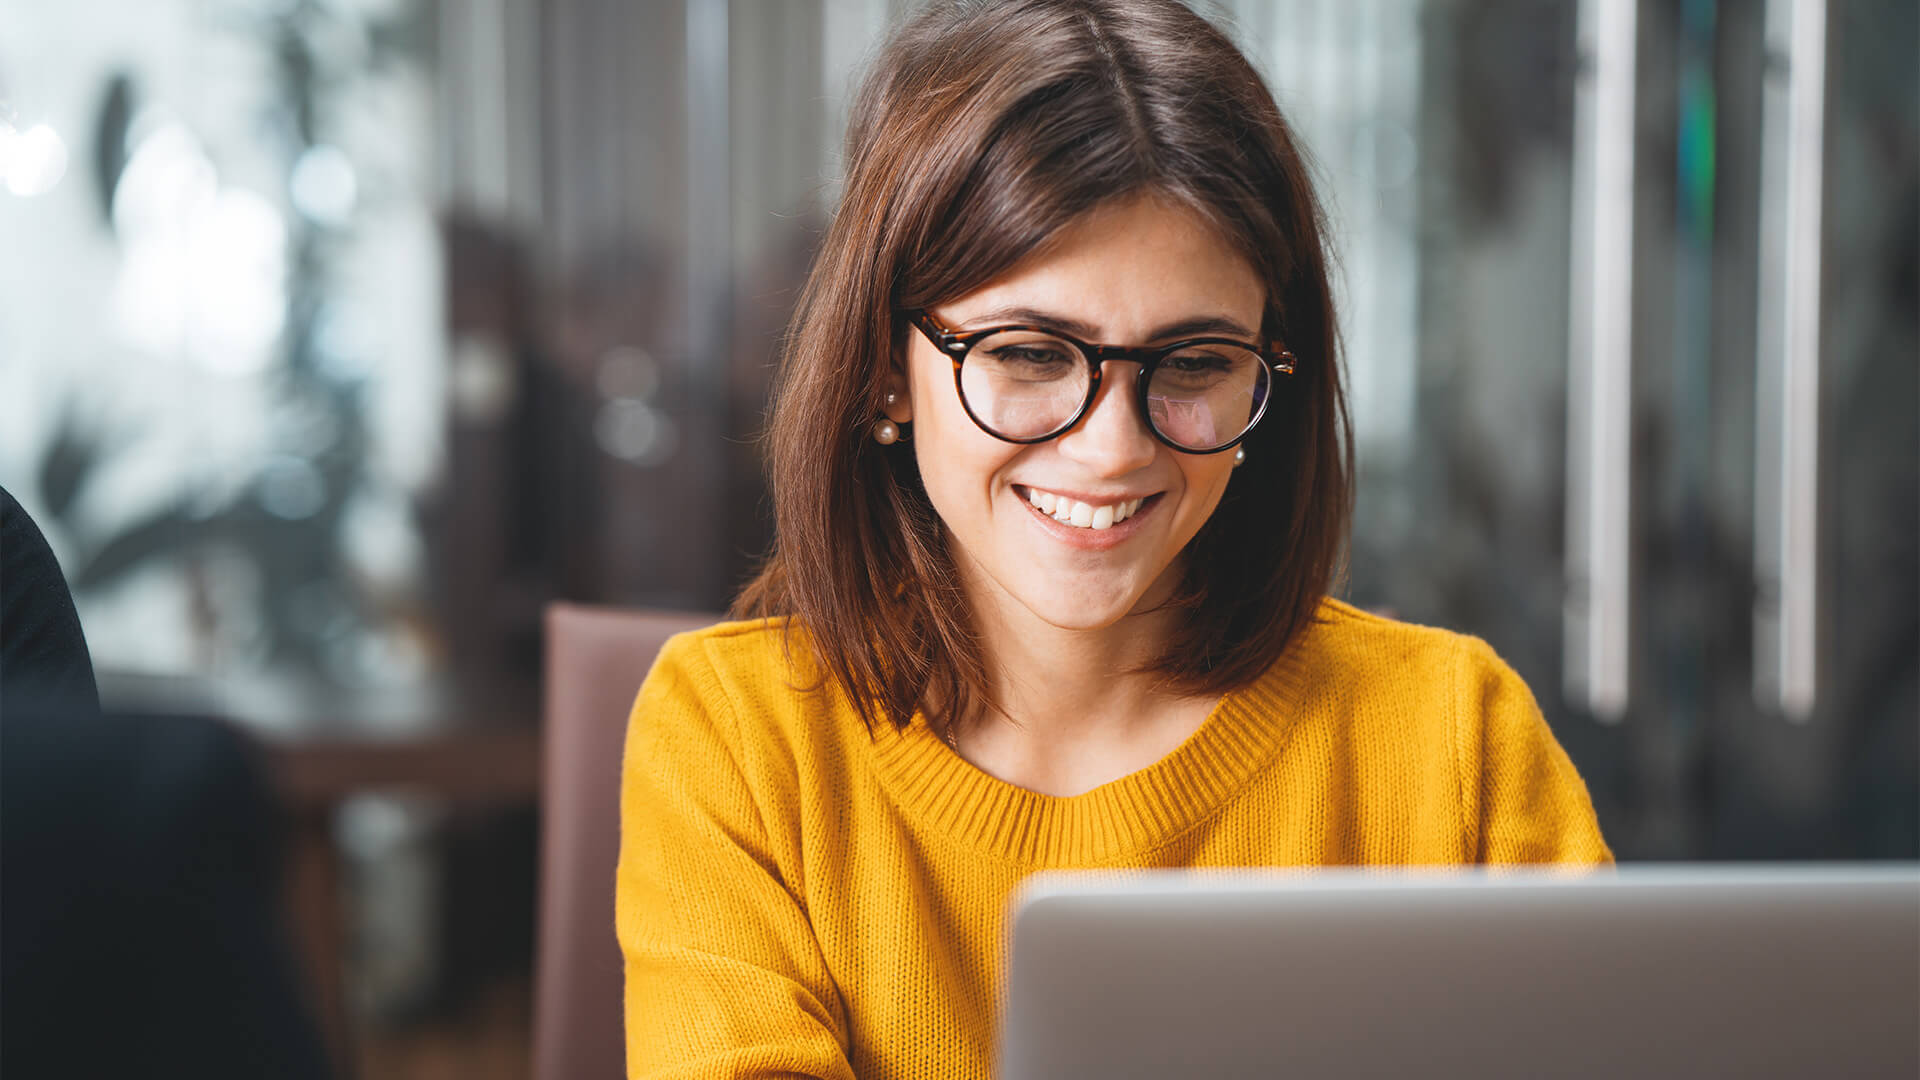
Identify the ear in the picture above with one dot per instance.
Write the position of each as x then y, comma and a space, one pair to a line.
896, 384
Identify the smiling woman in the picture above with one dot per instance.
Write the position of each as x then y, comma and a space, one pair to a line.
987, 138
1060, 464
1052, 590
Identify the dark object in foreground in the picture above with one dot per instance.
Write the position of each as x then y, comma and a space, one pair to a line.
141, 876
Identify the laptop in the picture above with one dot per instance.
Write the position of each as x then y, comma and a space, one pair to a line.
1665, 971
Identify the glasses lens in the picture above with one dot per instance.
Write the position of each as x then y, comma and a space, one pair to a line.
1022, 384
1206, 396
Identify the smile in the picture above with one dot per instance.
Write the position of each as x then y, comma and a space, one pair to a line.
1082, 515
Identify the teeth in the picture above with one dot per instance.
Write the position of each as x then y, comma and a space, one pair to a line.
1082, 515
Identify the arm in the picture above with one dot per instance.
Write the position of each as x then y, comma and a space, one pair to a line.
1523, 800
724, 976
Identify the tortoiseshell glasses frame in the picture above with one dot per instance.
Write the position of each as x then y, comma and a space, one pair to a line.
956, 344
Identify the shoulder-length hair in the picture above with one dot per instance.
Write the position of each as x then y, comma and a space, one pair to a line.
982, 130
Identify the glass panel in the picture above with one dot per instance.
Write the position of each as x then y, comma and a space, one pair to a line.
1869, 655
1443, 134
1844, 782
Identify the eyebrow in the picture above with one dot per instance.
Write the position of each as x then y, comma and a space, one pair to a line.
1191, 327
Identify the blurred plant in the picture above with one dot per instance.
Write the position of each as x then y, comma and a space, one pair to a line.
288, 518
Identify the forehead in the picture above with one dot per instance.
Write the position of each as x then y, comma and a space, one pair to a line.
1125, 269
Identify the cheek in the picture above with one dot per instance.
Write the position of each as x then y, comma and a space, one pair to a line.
1207, 481
958, 462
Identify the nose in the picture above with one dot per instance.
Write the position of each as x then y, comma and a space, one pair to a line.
1112, 438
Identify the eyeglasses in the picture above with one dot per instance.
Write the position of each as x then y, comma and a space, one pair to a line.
1028, 384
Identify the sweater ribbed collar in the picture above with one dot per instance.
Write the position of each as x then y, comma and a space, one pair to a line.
1139, 811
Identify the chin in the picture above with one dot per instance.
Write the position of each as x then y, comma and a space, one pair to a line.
1087, 613
1080, 620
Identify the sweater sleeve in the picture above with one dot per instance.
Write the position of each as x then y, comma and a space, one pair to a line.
724, 977
1524, 801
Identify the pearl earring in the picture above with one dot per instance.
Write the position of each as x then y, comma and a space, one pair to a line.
885, 431
1239, 456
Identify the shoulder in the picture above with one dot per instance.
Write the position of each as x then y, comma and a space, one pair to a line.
44, 663
743, 656
1344, 638
751, 678
1419, 684
732, 716
1431, 695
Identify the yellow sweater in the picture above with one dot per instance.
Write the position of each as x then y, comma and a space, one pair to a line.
796, 897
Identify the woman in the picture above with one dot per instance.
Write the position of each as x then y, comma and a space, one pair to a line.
1060, 473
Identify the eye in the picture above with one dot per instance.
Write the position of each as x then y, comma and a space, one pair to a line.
1204, 359
1025, 350
1028, 354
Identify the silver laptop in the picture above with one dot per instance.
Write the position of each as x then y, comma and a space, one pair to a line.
1642, 972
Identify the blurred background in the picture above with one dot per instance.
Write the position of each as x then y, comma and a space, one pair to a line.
338, 337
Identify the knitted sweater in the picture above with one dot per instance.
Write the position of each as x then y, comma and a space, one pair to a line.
797, 896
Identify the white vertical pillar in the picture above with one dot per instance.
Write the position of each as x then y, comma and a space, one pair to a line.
1787, 346
1599, 357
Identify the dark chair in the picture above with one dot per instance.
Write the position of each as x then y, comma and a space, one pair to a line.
595, 661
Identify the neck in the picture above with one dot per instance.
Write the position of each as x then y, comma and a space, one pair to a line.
1069, 684
1074, 710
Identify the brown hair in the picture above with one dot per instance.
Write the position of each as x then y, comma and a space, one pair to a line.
982, 130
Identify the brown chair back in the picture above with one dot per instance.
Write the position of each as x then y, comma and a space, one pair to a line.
595, 661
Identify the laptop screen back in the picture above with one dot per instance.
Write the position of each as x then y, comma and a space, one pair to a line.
1666, 971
